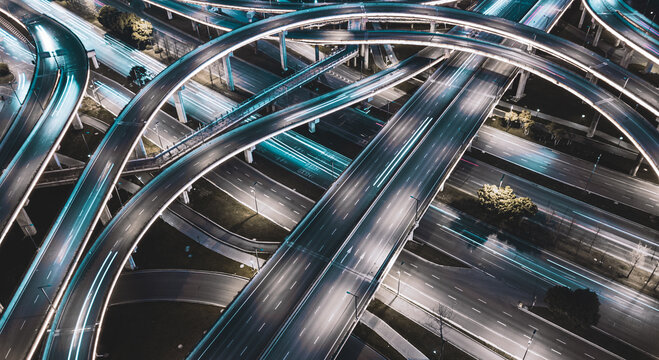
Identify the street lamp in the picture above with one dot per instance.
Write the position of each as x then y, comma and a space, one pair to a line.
356, 298
398, 291
529, 343
253, 189
258, 266
592, 172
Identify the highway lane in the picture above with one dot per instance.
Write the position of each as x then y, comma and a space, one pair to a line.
487, 307
632, 191
642, 133
107, 256
59, 252
625, 313
628, 25
62, 72
19, 56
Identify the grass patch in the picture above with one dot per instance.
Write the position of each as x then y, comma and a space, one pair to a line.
597, 337
372, 339
80, 144
232, 215
155, 330
165, 247
424, 340
433, 255
92, 108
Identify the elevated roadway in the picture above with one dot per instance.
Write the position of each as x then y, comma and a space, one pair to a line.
108, 255
286, 7
628, 25
61, 75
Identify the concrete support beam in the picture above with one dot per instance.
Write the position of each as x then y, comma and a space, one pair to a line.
141, 150
627, 58
249, 157
91, 54
228, 74
106, 215
185, 196
169, 15
312, 125
598, 34
25, 223
593, 125
639, 161
178, 103
521, 85
77, 123
583, 17
282, 51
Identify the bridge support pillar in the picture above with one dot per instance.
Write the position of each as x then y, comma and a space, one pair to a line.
77, 123
617, 43
106, 215
648, 67
639, 161
593, 125
227, 72
627, 58
131, 265
141, 150
195, 27
185, 196
23, 220
598, 34
312, 125
178, 103
169, 15
316, 51
249, 157
91, 54
56, 158
433, 27
583, 17
521, 85
366, 52
282, 51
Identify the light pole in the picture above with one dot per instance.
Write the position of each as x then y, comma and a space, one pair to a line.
256, 204
356, 298
258, 265
624, 86
416, 208
592, 172
529, 343
398, 291
158, 134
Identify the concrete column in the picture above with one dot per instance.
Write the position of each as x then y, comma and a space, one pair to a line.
367, 50
627, 58
106, 215
130, 265
141, 150
282, 51
521, 85
185, 196
25, 223
583, 17
195, 27
648, 67
169, 15
312, 125
316, 52
227, 71
56, 158
178, 103
433, 27
77, 123
598, 34
617, 42
593, 125
249, 157
91, 54
639, 161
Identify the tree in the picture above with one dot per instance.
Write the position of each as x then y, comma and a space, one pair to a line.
637, 254
510, 117
4, 69
443, 313
139, 75
504, 204
525, 121
85, 8
127, 26
580, 307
